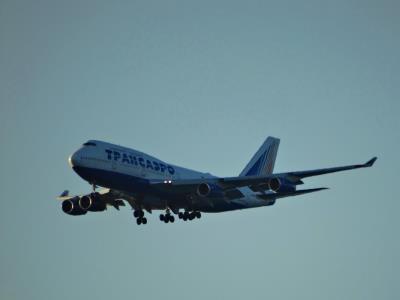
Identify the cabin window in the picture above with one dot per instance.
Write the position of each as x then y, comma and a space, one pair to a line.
89, 144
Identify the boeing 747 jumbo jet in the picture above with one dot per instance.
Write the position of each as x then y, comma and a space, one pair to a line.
148, 183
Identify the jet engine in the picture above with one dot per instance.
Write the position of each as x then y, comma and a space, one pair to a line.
92, 202
280, 185
71, 207
209, 190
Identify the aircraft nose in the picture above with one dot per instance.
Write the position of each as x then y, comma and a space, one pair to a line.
73, 159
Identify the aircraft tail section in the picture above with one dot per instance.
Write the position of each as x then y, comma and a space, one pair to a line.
263, 162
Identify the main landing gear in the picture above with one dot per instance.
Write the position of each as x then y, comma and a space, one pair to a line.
189, 215
140, 218
167, 217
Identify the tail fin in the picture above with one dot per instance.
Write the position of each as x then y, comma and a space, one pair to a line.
263, 161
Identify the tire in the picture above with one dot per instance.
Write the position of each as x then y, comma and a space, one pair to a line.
136, 214
191, 217
138, 221
162, 218
198, 215
144, 221
180, 215
172, 219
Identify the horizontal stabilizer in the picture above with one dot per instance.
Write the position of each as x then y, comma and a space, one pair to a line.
309, 173
288, 194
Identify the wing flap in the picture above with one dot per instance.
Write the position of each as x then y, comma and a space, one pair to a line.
256, 183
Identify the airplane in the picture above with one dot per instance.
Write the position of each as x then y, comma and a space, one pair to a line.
148, 183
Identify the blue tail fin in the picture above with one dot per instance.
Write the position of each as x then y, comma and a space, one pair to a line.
263, 161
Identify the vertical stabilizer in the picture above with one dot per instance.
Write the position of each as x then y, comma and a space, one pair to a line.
263, 161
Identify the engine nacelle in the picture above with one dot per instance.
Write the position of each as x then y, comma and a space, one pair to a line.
91, 202
209, 190
71, 207
280, 185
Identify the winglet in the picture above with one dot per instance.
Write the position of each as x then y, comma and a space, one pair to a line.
64, 194
370, 162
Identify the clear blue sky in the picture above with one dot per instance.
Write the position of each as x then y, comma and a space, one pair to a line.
201, 84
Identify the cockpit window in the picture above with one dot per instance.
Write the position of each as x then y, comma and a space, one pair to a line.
89, 144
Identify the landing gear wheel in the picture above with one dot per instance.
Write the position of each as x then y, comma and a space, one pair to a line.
138, 221
191, 216
171, 219
180, 215
162, 217
198, 215
144, 221
166, 220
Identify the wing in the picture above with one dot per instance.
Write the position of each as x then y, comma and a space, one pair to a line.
291, 177
304, 174
255, 182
